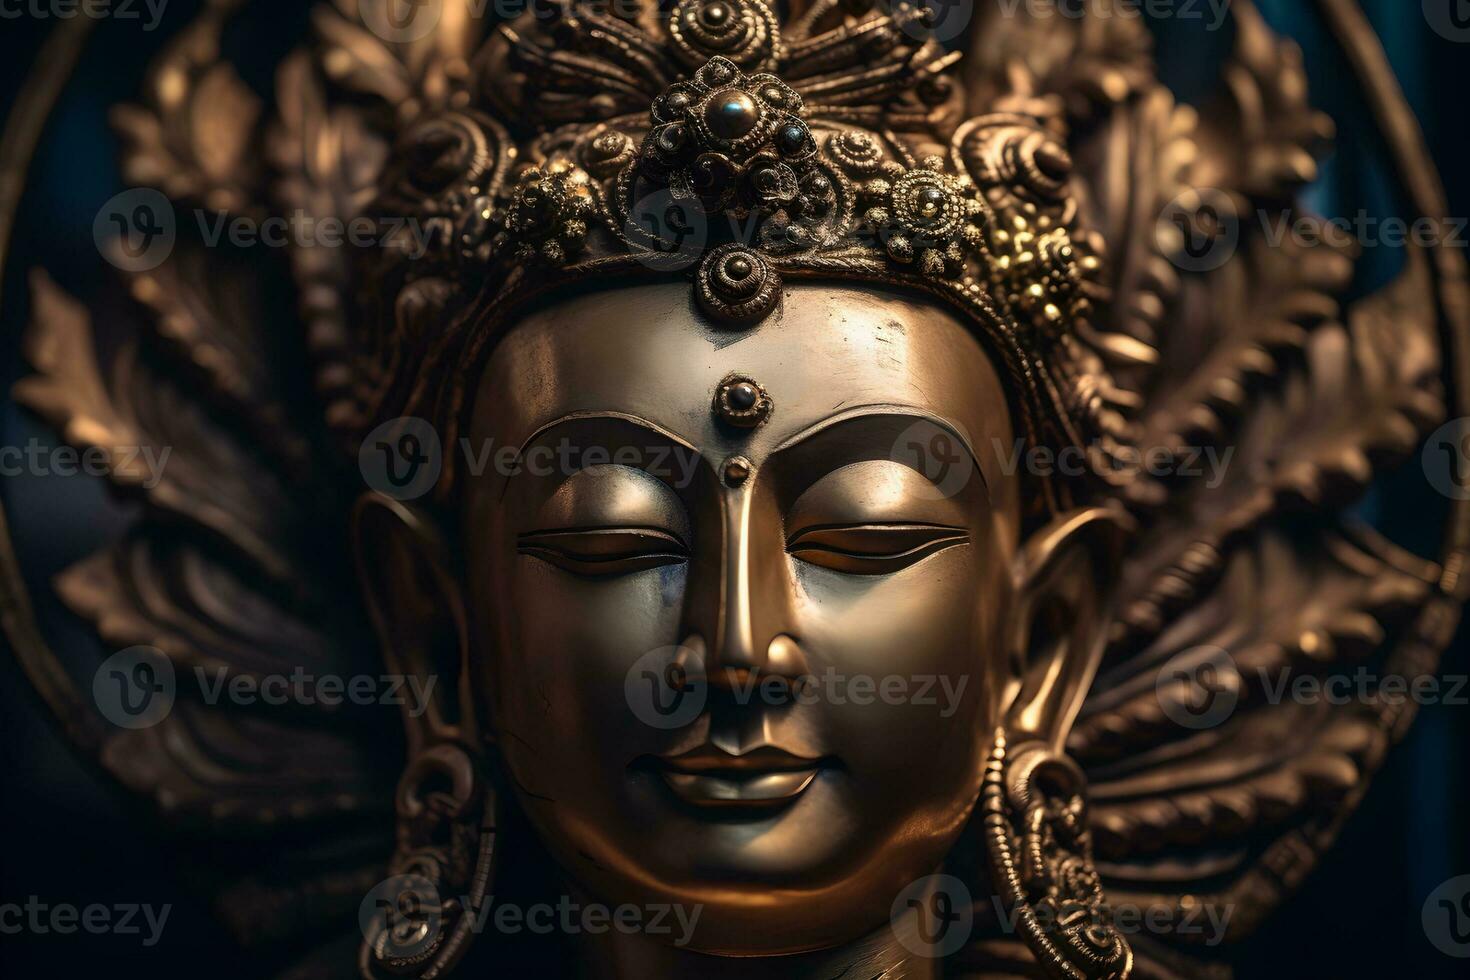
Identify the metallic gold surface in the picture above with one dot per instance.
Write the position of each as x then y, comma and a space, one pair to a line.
827, 449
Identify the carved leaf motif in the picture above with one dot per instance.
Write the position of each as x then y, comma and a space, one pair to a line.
211, 577
1137, 160
1249, 560
194, 136
1260, 136
1176, 806
207, 308
1304, 407
1256, 358
359, 61
1090, 63
329, 160
162, 444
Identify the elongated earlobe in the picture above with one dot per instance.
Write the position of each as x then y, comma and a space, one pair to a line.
1057, 630
443, 866
1034, 798
417, 606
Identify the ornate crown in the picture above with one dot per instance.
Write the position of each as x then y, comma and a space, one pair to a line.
527, 150
716, 139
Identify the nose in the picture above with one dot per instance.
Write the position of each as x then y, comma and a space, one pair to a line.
742, 596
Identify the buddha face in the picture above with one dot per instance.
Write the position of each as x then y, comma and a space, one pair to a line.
736, 618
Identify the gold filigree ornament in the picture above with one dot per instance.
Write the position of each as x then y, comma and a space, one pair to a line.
1016, 176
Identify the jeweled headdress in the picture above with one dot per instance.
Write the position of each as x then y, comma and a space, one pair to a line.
1047, 184
718, 139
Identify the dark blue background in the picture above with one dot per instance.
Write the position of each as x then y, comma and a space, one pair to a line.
69, 838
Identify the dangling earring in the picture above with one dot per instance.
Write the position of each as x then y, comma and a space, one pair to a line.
1035, 826
419, 922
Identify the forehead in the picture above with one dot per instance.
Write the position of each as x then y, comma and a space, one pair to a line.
647, 351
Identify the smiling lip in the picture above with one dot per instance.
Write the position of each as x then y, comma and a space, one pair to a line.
761, 778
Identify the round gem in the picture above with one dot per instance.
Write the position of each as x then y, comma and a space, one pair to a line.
671, 138
711, 173
930, 203
731, 114
738, 268
737, 470
715, 14
742, 396
791, 139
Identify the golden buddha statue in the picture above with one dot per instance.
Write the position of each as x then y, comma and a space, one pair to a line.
840, 491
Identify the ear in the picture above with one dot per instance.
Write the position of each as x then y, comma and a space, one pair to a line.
416, 604
1059, 624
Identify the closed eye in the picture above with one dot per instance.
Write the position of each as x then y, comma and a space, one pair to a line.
600, 551
873, 549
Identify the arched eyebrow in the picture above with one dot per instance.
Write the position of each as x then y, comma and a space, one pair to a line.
897, 411
653, 429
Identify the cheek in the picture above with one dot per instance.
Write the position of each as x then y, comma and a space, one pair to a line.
906, 660
564, 647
